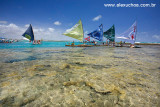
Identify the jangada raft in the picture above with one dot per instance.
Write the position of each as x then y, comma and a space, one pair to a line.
130, 35
29, 34
82, 45
77, 32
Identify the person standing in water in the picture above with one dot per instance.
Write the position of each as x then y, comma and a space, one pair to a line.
72, 43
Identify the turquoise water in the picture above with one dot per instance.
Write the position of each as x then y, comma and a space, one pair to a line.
26, 44
53, 75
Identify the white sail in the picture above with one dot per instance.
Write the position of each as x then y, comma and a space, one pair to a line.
130, 34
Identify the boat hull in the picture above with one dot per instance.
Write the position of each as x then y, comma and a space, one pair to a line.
79, 45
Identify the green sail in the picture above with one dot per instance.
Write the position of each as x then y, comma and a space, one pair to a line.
110, 34
76, 31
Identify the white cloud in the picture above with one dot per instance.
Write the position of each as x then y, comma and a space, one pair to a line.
147, 37
85, 33
57, 23
12, 26
27, 25
3, 22
51, 29
12, 31
97, 18
156, 37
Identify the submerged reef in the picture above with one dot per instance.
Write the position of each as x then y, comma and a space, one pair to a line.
81, 77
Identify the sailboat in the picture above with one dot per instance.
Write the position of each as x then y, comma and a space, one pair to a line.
130, 35
110, 34
29, 33
97, 34
76, 32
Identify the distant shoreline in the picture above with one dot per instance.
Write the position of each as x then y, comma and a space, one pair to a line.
147, 43
116, 42
144, 43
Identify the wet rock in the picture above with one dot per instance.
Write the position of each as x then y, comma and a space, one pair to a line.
8, 101
70, 83
40, 75
4, 84
67, 66
28, 100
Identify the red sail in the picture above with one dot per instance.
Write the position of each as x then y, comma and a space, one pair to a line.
88, 38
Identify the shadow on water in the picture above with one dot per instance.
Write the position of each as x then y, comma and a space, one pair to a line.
36, 55
30, 58
50, 52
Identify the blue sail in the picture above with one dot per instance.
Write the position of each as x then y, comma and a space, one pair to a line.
97, 34
29, 33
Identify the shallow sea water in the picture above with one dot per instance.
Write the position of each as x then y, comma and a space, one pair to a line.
91, 76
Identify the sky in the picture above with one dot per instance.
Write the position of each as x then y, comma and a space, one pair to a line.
51, 18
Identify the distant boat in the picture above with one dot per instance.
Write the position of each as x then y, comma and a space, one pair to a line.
5, 40
29, 33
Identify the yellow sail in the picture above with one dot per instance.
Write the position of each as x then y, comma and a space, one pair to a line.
76, 31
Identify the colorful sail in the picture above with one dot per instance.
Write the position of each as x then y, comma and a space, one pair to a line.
76, 31
97, 34
130, 34
110, 34
87, 39
29, 33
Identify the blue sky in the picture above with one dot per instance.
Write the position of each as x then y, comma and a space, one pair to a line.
51, 18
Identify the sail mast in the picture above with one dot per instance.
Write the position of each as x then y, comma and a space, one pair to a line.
33, 32
136, 30
102, 32
83, 31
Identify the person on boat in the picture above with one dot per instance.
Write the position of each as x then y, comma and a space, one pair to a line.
132, 46
107, 42
72, 43
34, 41
113, 43
120, 43
95, 43
38, 41
110, 43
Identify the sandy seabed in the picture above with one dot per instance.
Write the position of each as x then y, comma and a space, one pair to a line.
78, 77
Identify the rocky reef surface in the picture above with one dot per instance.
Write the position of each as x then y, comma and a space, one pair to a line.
77, 77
